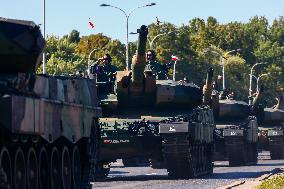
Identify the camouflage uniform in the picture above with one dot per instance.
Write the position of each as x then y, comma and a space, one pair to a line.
105, 72
158, 69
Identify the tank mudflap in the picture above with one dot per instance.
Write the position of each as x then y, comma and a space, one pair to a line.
276, 144
185, 160
240, 152
187, 144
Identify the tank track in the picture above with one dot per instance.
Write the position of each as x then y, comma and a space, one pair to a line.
186, 154
70, 166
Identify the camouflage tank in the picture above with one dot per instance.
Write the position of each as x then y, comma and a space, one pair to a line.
271, 136
236, 131
48, 125
162, 120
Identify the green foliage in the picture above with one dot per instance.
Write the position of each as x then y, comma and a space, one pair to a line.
101, 45
273, 183
237, 74
258, 41
74, 36
199, 44
61, 57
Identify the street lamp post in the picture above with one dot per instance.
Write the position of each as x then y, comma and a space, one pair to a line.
222, 58
43, 55
223, 64
127, 19
89, 59
250, 79
155, 37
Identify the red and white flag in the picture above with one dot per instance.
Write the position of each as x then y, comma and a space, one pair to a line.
175, 58
91, 23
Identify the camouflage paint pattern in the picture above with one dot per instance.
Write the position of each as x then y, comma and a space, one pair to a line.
61, 107
21, 46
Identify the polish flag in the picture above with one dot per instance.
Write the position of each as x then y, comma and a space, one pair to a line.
175, 58
91, 23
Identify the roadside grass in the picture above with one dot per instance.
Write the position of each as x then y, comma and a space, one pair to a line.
273, 183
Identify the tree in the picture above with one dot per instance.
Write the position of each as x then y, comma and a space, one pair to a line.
61, 57
74, 36
102, 44
258, 41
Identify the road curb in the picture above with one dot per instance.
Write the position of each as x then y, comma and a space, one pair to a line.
250, 184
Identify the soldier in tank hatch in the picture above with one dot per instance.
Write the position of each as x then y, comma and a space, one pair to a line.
104, 69
158, 69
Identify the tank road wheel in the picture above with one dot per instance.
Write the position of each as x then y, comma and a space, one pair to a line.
55, 169
76, 168
66, 168
6, 165
19, 170
43, 169
32, 169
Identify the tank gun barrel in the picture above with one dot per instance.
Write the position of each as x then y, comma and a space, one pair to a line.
279, 103
257, 99
139, 60
207, 89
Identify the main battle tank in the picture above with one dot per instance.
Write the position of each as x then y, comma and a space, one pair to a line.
236, 131
162, 120
271, 135
48, 125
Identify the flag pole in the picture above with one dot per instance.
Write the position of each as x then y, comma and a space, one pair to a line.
174, 74
43, 56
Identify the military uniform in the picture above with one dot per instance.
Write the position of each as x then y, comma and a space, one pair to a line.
105, 72
158, 69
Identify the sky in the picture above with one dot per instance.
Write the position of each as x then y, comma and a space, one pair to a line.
62, 16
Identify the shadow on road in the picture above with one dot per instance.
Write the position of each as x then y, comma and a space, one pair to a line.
139, 178
217, 176
270, 164
118, 172
235, 175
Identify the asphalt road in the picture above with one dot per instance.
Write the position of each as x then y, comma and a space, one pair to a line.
145, 177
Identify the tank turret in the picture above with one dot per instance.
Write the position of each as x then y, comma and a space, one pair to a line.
230, 109
21, 46
275, 115
139, 88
